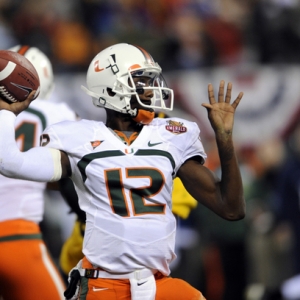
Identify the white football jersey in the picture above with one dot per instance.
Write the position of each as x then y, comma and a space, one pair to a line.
25, 199
126, 190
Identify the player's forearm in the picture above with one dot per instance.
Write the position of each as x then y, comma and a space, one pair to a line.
231, 185
37, 164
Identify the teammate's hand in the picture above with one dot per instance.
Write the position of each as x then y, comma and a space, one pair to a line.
17, 107
221, 113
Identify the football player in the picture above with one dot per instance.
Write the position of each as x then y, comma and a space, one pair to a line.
71, 252
27, 271
123, 173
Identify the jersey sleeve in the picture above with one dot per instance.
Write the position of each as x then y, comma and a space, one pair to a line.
51, 139
195, 147
189, 142
183, 138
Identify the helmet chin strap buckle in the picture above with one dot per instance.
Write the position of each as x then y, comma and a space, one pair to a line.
144, 116
102, 101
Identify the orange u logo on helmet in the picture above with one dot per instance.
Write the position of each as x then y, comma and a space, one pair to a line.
97, 67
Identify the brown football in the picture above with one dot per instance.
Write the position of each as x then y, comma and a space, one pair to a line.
18, 77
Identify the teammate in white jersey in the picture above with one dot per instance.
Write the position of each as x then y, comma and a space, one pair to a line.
123, 173
26, 269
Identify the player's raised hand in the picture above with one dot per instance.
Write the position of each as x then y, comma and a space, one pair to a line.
221, 112
19, 106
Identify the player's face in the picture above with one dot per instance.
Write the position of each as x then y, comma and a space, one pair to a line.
145, 95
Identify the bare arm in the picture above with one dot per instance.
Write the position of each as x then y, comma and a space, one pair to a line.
225, 196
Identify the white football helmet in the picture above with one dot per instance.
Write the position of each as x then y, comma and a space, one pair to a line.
110, 81
42, 65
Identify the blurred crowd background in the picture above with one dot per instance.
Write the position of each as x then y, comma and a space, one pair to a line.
253, 43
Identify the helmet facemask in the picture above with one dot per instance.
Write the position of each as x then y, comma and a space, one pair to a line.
157, 84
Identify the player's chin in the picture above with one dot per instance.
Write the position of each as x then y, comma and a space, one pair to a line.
146, 105
141, 103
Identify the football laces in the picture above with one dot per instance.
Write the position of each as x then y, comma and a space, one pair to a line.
7, 95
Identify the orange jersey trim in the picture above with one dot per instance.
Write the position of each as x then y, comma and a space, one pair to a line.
18, 227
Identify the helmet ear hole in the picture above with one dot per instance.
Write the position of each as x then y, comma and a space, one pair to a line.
110, 92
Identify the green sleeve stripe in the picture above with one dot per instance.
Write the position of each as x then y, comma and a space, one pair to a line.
83, 163
85, 160
16, 237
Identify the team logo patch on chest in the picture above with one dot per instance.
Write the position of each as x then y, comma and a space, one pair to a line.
176, 127
129, 151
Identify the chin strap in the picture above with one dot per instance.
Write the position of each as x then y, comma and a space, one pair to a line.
144, 116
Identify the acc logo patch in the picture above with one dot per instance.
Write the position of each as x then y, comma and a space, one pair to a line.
176, 127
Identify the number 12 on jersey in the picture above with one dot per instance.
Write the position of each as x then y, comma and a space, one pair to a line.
116, 191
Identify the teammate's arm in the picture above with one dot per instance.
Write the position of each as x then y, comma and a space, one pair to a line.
225, 196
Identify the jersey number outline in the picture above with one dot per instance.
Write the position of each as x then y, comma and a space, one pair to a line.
116, 191
27, 131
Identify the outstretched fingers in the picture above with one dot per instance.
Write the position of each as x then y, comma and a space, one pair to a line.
212, 99
220, 93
